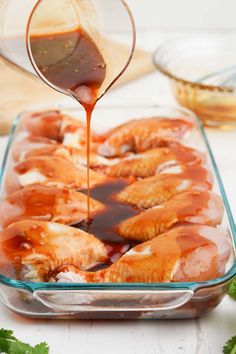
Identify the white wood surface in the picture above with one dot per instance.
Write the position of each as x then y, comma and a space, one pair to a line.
184, 14
203, 336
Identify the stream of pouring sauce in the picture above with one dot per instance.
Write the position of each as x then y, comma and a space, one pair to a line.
72, 62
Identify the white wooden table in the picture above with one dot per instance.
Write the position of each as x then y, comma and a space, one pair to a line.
202, 336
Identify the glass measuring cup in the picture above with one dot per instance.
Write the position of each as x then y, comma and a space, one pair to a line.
100, 19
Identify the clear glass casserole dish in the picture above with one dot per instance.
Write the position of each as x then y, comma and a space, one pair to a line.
123, 300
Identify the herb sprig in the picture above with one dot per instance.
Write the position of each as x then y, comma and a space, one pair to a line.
230, 346
11, 345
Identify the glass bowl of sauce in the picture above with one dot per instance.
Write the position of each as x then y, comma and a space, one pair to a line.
187, 62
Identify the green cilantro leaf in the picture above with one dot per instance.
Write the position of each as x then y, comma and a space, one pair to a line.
16, 347
230, 346
6, 333
41, 348
232, 289
11, 345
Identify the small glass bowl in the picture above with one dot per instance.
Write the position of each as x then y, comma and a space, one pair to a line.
186, 61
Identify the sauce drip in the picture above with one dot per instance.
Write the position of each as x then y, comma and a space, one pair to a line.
72, 62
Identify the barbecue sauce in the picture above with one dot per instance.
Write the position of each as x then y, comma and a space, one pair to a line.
72, 62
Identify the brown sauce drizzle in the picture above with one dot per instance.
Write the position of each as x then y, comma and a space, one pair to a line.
72, 62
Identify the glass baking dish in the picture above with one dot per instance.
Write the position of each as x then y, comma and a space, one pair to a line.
123, 300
